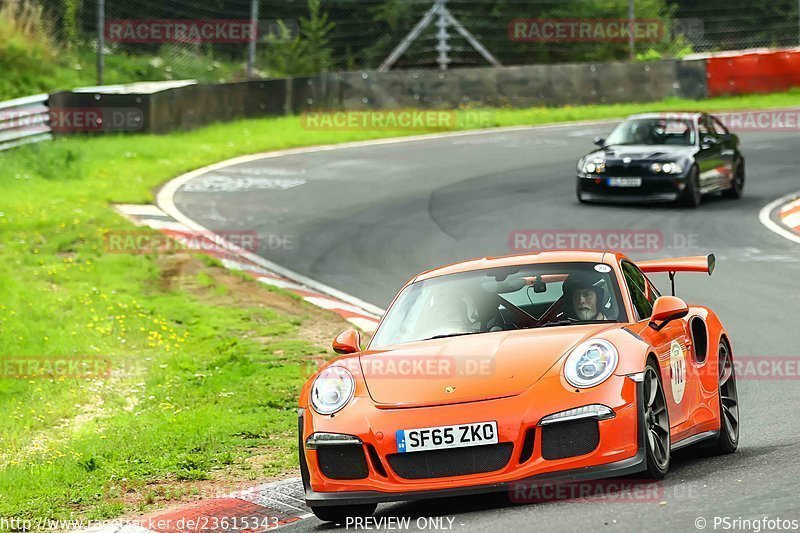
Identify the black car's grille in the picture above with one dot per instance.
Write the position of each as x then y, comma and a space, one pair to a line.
451, 462
568, 439
342, 461
621, 170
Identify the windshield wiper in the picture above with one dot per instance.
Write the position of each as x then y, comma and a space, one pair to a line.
576, 322
446, 335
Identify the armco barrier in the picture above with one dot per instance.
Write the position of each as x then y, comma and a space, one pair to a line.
24, 120
755, 72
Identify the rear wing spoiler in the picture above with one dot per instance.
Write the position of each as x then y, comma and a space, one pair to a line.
700, 263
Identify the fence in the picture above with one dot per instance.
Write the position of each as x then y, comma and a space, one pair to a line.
236, 40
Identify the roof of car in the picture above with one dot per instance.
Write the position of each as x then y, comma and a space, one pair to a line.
560, 256
668, 114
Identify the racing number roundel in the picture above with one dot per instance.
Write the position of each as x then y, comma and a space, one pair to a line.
677, 371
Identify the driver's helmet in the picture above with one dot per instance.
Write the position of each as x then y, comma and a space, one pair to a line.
582, 281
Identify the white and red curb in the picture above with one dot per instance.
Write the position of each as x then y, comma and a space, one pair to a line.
782, 216
262, 508
235, 258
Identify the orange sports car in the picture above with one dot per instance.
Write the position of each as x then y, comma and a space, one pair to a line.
545, 368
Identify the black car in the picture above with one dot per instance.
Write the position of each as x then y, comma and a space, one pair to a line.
663, 157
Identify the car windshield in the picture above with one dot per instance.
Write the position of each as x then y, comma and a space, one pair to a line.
653, 131
502, 299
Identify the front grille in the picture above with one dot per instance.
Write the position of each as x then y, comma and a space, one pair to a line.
342, 461
451, 462
624, 171
568, 439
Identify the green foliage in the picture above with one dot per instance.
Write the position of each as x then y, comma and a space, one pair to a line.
308, 52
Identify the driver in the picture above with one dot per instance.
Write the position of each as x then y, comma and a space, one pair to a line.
583, 296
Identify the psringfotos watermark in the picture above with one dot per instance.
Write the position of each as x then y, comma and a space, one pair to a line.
54, 367
543, 30
641, 241
416, 367
756, 525
397, 119
615, 490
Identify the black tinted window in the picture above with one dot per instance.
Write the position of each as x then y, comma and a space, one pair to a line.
643, 295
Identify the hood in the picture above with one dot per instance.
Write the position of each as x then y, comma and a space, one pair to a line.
470, 367
642, 151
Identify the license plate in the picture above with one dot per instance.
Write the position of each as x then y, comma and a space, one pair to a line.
437, 438
624, 182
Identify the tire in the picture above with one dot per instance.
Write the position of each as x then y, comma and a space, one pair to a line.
657, 439
340, 513
737, 186
691, 194
728, 439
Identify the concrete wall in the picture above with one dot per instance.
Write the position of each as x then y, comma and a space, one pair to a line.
546, 85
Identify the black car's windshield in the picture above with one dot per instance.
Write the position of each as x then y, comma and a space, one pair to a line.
653, 131
499, 299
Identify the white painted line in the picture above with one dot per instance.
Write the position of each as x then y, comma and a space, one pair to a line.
326, 303
773, 226
140, 209
364, 324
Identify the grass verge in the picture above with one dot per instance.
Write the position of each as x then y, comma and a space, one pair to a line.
205, 365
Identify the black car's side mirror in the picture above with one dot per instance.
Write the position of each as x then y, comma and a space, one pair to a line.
707, 141
599, 141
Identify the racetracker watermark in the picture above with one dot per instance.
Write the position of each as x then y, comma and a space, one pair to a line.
75, 119
180, 31
397, 119
767, 368
419, 367
585, 30
614, 490
149, 242
769, 120
621, 240
53, 367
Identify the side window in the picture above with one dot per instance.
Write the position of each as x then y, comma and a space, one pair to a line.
643, 294
718, 127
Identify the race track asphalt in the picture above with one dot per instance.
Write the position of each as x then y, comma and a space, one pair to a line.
366, 219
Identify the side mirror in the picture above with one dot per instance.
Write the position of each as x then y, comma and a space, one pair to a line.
667, 309
348, 341
599, 141
707, 141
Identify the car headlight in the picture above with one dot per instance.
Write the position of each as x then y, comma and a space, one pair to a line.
332, 390
666, 168
591, 363
597, 166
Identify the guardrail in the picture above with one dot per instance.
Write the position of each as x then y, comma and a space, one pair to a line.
24, 120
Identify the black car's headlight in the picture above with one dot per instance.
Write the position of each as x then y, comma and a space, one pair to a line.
332, 390
669, 167
594, 166
591, 363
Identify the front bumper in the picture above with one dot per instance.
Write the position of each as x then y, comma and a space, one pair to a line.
620, 451
654, 189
